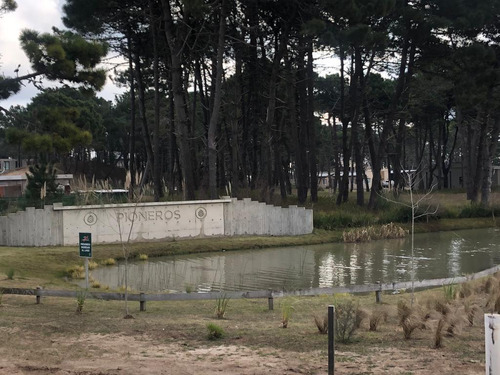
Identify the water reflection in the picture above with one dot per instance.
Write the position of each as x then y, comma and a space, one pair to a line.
444, 254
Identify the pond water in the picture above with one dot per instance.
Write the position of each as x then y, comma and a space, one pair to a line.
441, 254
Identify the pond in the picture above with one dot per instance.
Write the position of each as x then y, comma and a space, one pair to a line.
441, 254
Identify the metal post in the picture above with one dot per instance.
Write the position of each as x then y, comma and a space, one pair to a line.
142, 302
86, 273
331, 340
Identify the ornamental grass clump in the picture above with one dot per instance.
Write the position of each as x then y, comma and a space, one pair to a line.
81, 296
286, 313
215, 332
76, 272
365, 234
10, 274
109, 262
221, 306
408, 319
321, 323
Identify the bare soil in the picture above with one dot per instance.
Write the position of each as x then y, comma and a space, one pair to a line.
52, 339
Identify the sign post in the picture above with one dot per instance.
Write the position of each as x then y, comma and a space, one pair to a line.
85, 245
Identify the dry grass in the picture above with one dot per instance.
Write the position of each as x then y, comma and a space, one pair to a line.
365, 234
321, 323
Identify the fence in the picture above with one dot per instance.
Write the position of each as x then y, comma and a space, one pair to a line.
142, 298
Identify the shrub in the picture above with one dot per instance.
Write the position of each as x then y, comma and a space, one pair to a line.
143, 256
221, 306
345, 320
92, 265
10, 274
475, 210
215, 332
321, 323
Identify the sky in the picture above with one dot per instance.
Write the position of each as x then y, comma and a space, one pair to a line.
39, 15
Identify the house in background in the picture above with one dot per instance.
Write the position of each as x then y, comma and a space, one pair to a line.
10, 164
13, 183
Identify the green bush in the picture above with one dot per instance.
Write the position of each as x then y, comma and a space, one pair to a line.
215, 332
476, 210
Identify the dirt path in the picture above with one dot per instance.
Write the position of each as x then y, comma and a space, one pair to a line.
119, 354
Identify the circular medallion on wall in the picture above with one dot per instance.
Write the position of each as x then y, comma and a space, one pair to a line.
201, 213
90, 218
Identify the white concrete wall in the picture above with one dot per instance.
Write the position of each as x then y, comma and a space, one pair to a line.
58, 225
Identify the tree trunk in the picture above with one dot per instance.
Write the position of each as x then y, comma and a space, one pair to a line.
214, 118
176, 35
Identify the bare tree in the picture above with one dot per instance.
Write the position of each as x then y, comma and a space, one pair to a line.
420, 207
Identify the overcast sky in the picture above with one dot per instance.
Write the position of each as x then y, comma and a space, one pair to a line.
39, 15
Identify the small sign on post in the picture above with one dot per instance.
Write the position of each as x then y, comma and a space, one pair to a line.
85, 245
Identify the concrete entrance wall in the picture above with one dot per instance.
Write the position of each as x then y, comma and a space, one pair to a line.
113, 223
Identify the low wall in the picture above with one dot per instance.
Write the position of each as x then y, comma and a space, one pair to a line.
114, 223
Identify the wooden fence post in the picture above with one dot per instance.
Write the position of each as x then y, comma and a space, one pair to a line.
38, 295
331, 340
270, 300
142, 302
492, 343
378, 293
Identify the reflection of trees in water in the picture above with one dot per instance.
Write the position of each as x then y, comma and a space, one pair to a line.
436, 255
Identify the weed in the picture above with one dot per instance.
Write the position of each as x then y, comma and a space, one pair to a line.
450, 292
345, 320
10, 274
286, 313
438, 335
143, 256
92, 265
81, 296
321, 323
109, 262
221, 305
189, 288
215, 331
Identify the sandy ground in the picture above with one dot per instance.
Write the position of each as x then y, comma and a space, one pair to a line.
119, 354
